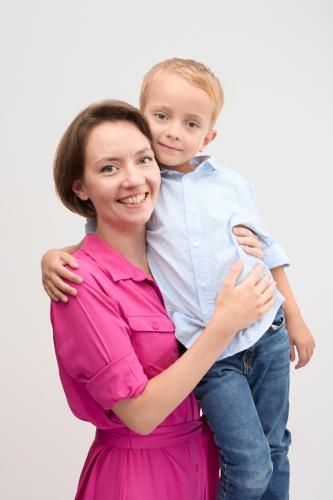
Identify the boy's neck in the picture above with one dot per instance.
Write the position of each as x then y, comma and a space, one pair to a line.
182, 169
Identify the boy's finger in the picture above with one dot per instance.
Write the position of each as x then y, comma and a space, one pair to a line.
68, 275
292, 352
302, 358
57, 294
49, 293
70, 260
62, 287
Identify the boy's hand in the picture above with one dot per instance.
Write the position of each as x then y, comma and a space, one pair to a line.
249, 241
300, 338
53, 271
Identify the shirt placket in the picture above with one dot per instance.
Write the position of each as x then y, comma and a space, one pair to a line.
198, 247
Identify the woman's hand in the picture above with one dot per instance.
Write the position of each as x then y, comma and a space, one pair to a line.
53, 273
249, 241
238, 306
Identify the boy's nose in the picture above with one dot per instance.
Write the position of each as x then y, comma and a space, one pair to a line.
174, 132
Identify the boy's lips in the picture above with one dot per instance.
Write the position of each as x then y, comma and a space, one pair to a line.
169, 148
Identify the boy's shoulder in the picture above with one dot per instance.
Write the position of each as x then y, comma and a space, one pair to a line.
231, 175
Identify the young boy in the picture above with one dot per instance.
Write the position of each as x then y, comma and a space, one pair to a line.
191, 245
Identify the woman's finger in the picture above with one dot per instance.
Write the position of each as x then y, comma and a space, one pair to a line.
241, 231
268, 293
266, 307
251, 241
263, 283
254, 276
233, 274
255, 252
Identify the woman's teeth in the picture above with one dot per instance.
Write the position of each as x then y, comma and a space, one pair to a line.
133, 200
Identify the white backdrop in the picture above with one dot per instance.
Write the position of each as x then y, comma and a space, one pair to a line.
275, 61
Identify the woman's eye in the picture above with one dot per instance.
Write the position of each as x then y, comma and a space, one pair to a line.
192, 125
146, 159
109, 169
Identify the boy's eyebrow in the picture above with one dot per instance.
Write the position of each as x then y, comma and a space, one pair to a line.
164, 107
116, 158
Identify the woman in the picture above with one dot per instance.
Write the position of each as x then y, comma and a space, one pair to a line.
117, 355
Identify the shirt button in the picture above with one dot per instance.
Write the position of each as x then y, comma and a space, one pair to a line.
196, 244
191, 210
203, 284
155, 325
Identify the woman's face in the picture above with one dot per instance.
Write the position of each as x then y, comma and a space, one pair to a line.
121, 177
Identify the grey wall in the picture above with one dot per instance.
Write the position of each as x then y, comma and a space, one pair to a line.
275, 62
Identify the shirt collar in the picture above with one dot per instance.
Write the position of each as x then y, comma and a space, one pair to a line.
110, 259
202, 163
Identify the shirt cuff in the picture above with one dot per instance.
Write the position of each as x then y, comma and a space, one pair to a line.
275, 256
121, 379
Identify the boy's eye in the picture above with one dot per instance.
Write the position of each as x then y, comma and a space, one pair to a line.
109, 169
192, 125
161, 116
145, 160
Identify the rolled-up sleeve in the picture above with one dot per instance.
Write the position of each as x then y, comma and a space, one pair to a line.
275, 255
92, 342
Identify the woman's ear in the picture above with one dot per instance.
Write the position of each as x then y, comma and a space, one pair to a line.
209, 138
79, 190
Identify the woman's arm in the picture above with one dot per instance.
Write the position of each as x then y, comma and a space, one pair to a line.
54, 272
237, 307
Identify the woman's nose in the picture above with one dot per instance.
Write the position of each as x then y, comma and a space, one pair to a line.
133, 177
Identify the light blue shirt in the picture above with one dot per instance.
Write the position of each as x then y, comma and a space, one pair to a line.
191, 246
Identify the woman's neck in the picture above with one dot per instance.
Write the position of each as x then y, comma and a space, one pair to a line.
130, 242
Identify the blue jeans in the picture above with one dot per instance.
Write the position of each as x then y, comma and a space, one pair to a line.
245, 399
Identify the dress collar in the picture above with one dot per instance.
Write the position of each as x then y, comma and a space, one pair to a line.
110, 259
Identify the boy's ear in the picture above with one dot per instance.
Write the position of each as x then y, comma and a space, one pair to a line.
209, 138
79, 190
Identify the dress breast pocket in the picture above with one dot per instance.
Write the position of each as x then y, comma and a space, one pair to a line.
154, 342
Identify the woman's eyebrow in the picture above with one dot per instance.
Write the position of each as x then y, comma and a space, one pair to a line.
116, 158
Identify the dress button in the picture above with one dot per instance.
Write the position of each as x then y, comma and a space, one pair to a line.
155, 325
203, 284
196, 244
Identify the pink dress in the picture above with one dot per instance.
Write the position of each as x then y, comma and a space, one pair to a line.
109, 341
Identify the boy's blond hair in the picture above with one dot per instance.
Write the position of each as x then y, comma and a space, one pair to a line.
194, 72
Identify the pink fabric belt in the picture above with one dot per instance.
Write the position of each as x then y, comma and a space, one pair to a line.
161, 437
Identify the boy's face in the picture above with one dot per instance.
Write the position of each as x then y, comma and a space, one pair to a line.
179, 115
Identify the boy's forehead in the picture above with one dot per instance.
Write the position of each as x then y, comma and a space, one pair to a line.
171, 89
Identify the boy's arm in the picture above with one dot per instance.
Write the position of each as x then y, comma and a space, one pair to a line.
53, 272
299, 334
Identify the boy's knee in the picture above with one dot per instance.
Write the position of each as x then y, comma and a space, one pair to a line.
256, 482
250, 478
